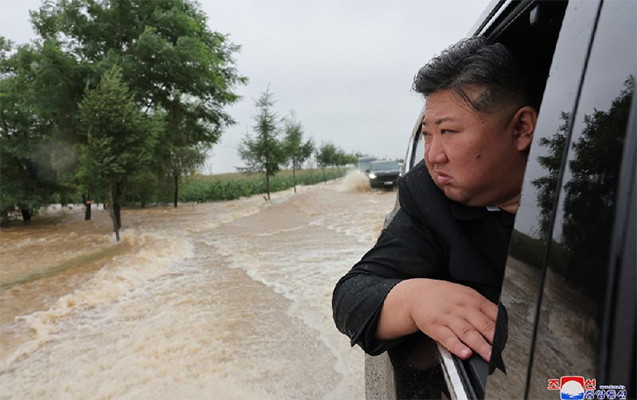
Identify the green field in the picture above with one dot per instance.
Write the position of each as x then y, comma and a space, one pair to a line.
202, 188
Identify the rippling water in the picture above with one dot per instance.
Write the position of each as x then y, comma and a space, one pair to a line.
208, 301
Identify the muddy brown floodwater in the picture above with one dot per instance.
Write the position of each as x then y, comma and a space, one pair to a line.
227, 300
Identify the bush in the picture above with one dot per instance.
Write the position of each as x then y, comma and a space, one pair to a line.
233, 186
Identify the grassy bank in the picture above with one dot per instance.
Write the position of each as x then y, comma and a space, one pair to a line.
202, 188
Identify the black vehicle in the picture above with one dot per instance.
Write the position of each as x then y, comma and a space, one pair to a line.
384, 174
570, 278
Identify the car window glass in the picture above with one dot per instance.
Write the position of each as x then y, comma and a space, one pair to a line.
574, 289
523, 271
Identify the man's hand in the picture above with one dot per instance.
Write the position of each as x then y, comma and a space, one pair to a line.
456, 316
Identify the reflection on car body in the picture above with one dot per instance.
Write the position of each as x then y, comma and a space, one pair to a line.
569, 286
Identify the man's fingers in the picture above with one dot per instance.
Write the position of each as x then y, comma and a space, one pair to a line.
450, 341
489, 309
470, 336
483, 317
483, 324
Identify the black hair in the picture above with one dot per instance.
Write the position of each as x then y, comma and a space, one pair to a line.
475, 62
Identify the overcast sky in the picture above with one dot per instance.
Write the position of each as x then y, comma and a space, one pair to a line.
344, 66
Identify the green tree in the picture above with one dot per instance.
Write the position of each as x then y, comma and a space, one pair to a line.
184, 161
326, 155
120, 139
60, 83
342, 159
264, 152
296, 150
44, 85
172, 62
27, 177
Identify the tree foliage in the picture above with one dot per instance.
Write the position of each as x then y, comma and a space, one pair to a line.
264, 152
328, 154
184, 161
120, 139
28, 179
169, 58
296, 150
168, 55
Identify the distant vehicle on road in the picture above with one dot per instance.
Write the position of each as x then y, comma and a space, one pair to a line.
364, 162
384, 174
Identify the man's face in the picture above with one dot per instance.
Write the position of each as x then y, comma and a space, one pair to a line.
474, 158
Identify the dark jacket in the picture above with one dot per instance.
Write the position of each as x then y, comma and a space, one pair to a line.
429, 237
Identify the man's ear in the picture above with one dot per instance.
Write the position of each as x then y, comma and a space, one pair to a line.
524, 122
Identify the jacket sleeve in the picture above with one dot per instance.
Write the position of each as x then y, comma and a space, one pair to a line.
405, 249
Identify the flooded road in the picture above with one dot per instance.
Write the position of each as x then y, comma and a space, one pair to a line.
228, 300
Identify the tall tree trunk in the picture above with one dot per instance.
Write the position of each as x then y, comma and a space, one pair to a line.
26, 214
267, 174
87, 207
116, 205
114, 208
176, 184
294, 175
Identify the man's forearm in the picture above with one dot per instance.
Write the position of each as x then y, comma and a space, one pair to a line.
395, 318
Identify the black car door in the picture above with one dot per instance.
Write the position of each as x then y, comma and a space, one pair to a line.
561, 286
